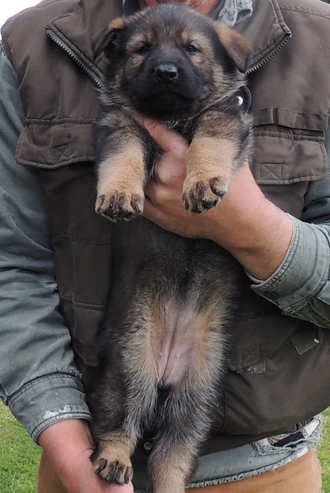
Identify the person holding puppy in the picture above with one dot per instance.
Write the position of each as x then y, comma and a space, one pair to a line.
274, 220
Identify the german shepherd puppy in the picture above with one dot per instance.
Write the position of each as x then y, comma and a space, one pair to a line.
162, 339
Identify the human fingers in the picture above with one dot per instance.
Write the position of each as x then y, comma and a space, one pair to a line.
116, 488
169, 140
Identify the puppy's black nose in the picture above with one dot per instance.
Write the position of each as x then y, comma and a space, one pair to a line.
166, 72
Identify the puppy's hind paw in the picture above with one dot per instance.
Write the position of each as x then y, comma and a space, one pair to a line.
113, 471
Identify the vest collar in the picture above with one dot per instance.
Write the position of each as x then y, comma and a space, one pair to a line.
73, 30
265, 30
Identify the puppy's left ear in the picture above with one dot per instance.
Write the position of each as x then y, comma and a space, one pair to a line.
235, 45
106, 39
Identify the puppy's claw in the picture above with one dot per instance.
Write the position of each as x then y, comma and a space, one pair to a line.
220, 193
128, 475
118, 476
99, 203
208, 204
102, 465
109, 476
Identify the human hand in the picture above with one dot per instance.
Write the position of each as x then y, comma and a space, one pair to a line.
68, 445
245, 223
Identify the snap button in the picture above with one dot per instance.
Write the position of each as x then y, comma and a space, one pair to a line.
243, 98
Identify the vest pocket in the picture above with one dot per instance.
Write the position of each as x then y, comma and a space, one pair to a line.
284, 392
48, 145
289, 146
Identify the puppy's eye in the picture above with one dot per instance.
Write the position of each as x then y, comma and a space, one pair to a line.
191, 49
144, 48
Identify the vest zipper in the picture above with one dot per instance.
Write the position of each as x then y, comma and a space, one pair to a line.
270, 56
98, 82
81, 64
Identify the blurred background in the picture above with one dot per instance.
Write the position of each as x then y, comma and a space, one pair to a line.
11, 7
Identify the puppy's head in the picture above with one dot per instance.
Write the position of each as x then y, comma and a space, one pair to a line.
169, 61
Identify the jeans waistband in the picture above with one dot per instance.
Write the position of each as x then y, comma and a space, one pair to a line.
243, 462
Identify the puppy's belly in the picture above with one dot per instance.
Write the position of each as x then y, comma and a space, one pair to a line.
177, 342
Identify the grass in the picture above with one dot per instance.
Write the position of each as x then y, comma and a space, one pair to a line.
19, 456
324, 453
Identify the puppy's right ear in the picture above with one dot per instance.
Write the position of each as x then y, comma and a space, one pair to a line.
106, 39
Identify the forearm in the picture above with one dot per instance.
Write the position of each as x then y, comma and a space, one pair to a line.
69, 445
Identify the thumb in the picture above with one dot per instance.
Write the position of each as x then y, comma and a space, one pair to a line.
169, 140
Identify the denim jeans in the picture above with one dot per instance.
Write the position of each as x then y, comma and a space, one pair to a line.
223, 469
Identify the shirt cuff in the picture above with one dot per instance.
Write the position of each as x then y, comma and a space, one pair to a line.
47, 400
303, 273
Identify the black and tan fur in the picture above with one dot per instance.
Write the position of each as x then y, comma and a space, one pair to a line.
162, 339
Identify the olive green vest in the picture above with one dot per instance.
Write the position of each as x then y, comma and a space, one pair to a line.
279, 375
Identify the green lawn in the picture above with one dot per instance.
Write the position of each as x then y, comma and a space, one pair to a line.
324, 453
19, 456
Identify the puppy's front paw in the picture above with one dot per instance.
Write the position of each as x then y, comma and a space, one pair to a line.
113, 468
116, 204
201, 195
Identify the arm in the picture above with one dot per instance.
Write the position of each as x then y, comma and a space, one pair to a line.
69, 445
38, 378
269, 244
39, 381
